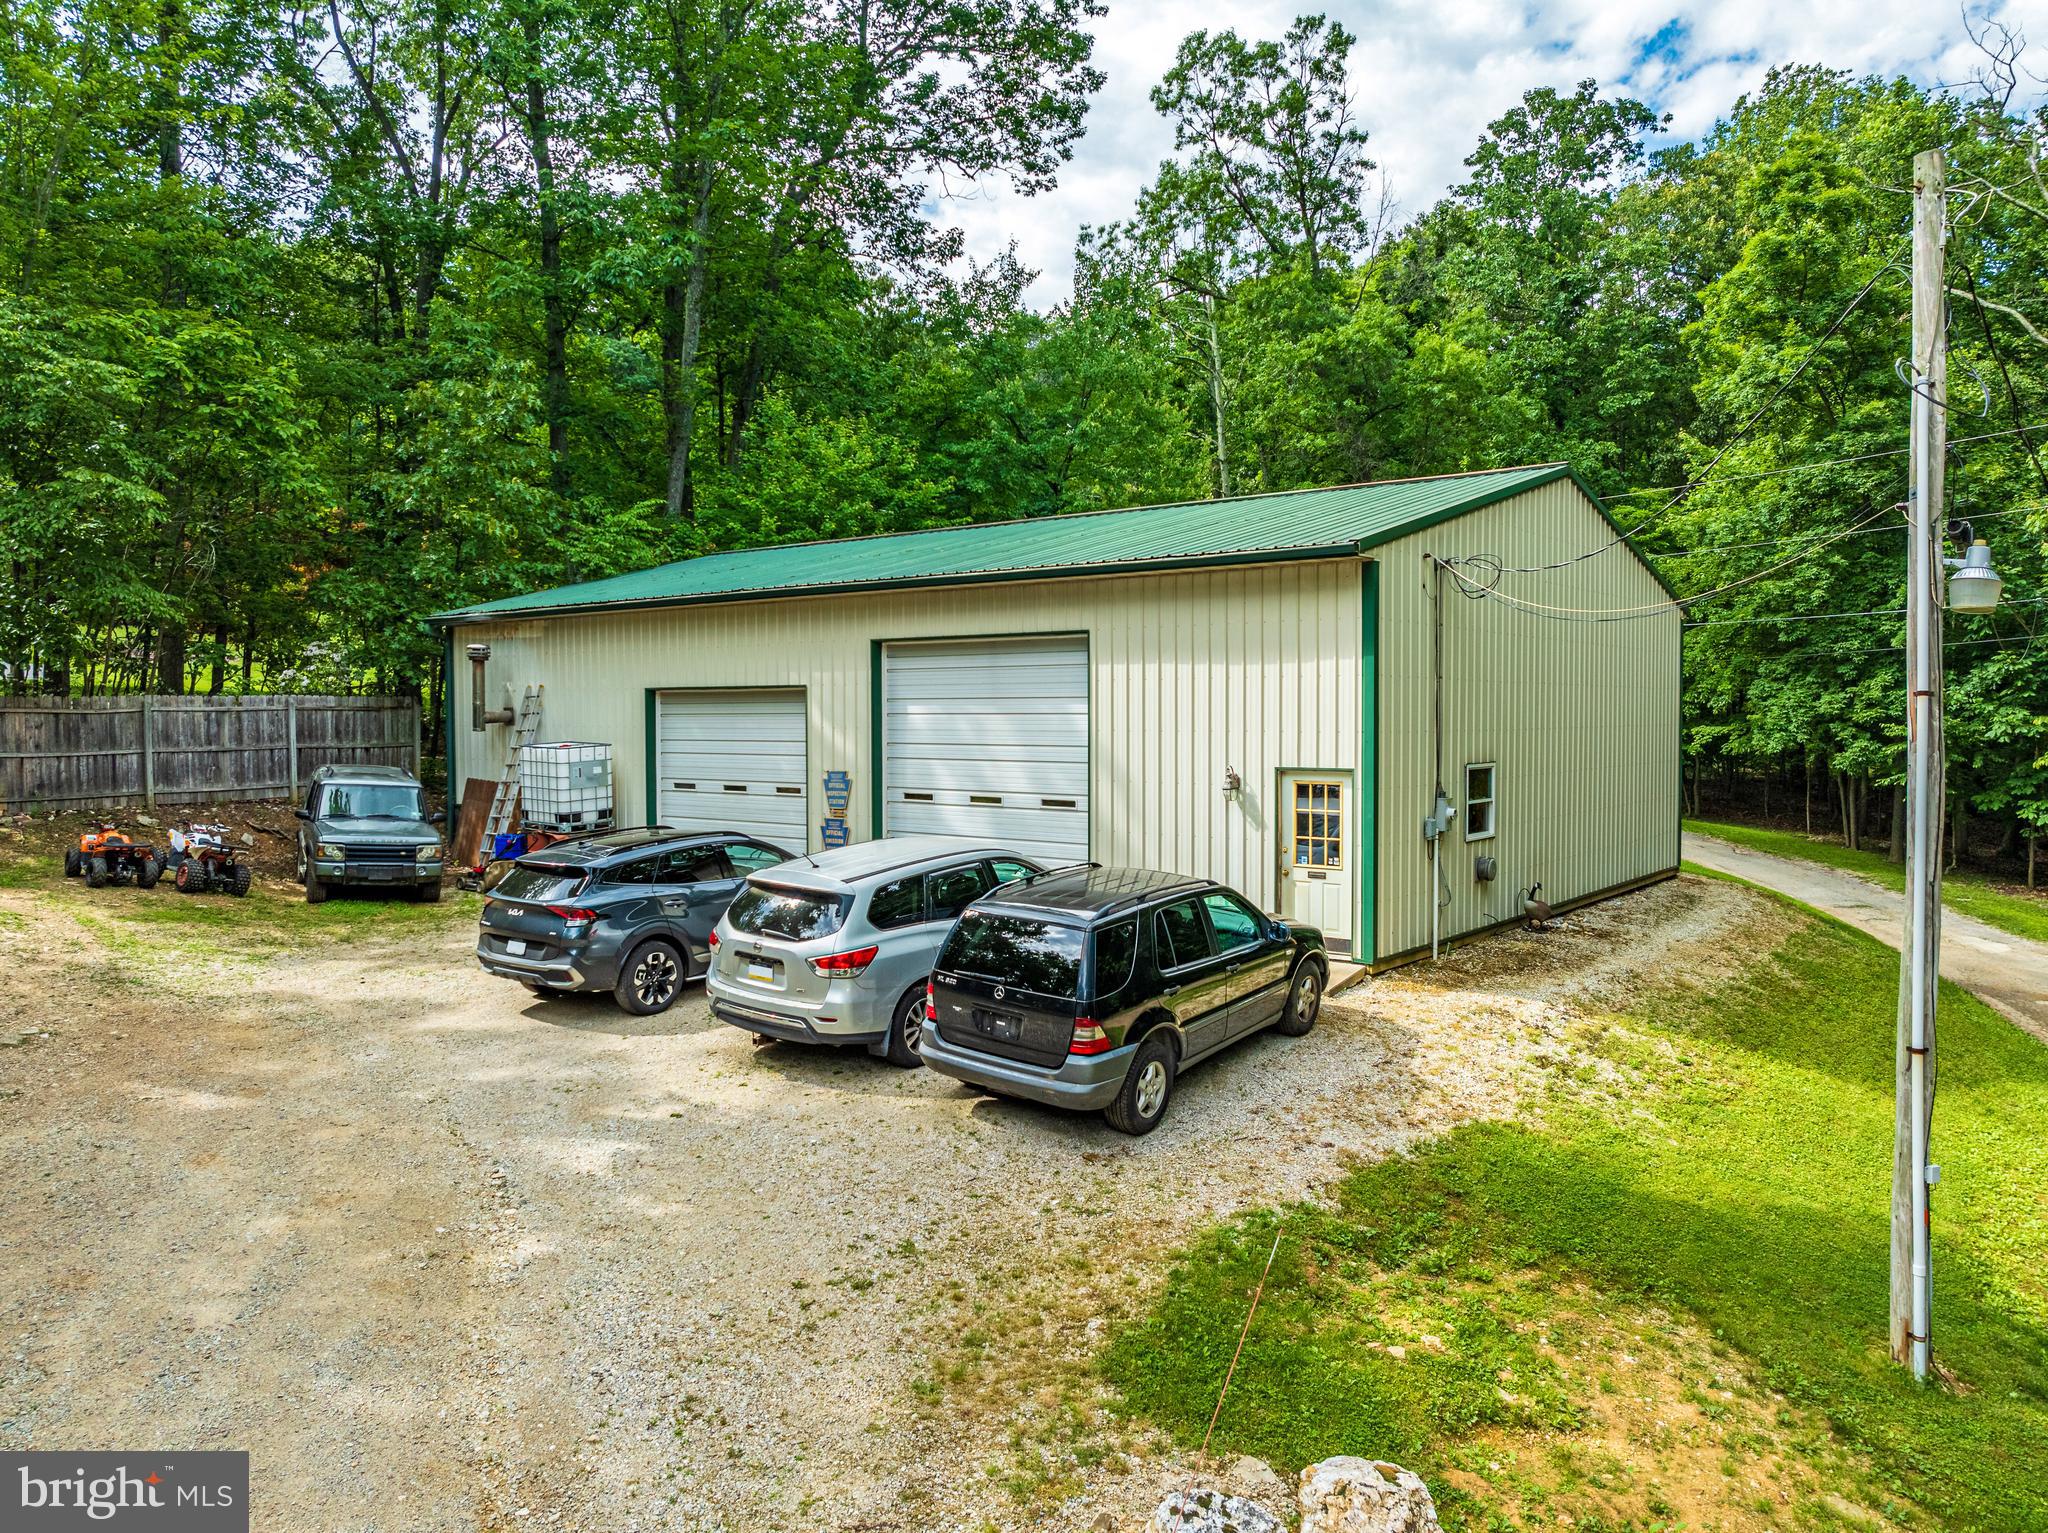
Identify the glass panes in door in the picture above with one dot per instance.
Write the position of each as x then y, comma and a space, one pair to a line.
1318, 824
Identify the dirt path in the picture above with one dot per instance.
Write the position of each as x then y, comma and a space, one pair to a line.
445, 1257
2007, 972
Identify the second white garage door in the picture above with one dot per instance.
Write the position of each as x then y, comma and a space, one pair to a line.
989, 738
733, 761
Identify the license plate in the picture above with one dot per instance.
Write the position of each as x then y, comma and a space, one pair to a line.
514, 946
765, 973
1000, 1025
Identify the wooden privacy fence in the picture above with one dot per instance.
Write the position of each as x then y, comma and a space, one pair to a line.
110, 752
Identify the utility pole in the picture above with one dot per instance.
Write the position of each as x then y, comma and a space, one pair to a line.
1920, 956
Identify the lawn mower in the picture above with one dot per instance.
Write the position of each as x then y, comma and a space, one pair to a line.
106, 856
206, 861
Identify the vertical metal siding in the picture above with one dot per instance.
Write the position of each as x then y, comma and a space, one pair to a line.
1581, 718
1254, 668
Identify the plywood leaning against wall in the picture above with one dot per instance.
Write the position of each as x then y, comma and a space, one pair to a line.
116, 752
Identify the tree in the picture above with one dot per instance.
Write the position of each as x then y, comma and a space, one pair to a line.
1276, 158
1537, 241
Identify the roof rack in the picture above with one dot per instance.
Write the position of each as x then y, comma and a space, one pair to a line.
1031, 878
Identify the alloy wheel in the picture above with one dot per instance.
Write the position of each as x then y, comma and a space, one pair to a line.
1308, 997
1151, 1088
654, 980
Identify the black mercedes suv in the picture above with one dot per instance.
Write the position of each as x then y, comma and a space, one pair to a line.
1093, 988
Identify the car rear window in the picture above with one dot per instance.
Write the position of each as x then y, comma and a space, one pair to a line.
542, 882
771, 910
1034, 955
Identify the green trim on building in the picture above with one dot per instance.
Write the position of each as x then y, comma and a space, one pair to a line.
875, 739
1365, 946
651, 734
448, 728
1192, 535
1678, 754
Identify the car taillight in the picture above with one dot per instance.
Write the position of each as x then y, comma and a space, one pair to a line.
845, 963
573, 915
931, 1003
714, 939
1089, 1038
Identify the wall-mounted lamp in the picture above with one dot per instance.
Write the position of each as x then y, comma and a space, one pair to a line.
1232, 782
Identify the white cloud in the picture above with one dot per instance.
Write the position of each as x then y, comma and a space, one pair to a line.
1428, 75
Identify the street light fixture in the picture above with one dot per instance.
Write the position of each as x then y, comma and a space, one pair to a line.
1975, 585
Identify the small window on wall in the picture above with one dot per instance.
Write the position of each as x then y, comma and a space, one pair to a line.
1480, 819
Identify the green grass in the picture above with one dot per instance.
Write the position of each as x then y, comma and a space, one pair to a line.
265, 919
1741, 1183
1970, 894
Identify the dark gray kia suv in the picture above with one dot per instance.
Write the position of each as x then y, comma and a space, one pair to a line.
630, 912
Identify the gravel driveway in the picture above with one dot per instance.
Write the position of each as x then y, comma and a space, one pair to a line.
444, 1256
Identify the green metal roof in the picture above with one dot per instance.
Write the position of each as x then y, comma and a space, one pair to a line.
1297, 524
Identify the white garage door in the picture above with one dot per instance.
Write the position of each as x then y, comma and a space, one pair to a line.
733, 761
989, 738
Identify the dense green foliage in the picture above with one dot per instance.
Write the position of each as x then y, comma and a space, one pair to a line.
314, 321
1738, 1174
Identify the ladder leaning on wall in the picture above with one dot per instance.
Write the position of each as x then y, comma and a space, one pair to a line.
505, 800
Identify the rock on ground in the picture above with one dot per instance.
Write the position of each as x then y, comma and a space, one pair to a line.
1356, 1495
1203, 1510
1255, 1480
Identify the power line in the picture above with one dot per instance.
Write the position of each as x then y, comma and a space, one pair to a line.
2011, 394
1797, 537
1795, 468
2006, 640
1741, 431
1814, 617
1801, 537
1474, 590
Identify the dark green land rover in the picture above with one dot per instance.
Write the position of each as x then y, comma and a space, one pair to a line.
368, 825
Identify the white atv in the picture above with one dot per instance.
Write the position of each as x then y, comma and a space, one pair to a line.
205, 861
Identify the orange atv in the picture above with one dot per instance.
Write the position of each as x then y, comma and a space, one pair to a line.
106, 856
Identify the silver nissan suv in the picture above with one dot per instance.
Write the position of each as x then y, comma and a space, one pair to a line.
837, 947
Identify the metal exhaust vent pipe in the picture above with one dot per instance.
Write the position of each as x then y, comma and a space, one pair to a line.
479, 715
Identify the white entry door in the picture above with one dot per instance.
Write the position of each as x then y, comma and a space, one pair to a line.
733, 761
1316, 864
989, 738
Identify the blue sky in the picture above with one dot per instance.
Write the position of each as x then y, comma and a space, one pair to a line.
1427, 76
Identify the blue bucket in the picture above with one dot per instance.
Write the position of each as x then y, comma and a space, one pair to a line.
512, 845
